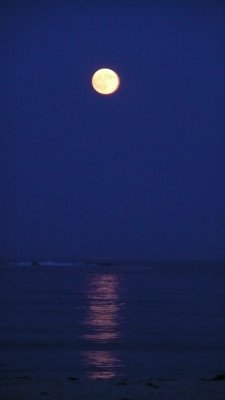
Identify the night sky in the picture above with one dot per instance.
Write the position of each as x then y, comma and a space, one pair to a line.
136, 174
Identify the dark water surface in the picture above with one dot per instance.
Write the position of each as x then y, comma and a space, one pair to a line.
112, 321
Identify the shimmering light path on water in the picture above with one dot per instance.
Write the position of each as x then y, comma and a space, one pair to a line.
102, 322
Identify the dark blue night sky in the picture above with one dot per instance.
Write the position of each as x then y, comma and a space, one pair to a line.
138, 174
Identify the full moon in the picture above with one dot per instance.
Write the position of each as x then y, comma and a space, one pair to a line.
105, 81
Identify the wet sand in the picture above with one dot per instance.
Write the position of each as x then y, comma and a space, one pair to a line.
72, 388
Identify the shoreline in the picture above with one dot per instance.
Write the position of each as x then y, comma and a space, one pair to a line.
26, 387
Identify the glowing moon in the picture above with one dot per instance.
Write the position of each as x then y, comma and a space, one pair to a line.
105, 81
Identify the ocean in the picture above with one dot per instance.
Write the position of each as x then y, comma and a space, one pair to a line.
115, 320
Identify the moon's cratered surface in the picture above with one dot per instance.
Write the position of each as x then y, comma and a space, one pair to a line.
105, 81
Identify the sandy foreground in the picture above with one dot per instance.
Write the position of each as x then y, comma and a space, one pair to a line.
28, 388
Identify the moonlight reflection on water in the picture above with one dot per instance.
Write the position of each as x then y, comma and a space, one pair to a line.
102, 325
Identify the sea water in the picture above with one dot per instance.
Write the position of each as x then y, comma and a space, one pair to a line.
106, 321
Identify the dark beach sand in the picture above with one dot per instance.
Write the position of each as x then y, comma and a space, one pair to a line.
71, 388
